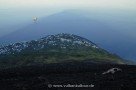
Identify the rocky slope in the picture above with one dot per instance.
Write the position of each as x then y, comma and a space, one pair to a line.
57, 76
53, 49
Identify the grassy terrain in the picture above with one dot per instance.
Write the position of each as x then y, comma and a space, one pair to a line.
58, 56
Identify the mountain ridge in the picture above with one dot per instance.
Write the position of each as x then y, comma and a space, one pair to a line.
55, 49
48, 40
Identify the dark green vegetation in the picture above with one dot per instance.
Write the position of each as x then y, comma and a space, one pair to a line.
58, 56
86, 73
54, 49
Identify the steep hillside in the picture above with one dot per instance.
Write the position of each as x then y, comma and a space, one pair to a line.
55, 49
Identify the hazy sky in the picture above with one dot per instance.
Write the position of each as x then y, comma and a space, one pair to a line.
123, 4
15, 12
